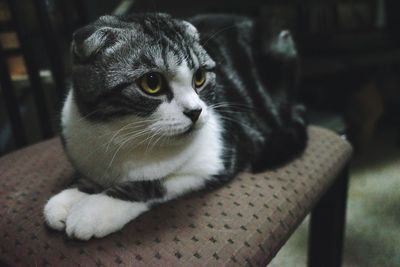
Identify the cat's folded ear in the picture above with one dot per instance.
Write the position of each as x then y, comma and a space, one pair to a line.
191, 29
90, 40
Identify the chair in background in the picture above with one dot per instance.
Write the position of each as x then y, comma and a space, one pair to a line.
54, 53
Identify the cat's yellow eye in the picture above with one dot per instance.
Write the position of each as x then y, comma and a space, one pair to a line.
151, 83
199, 78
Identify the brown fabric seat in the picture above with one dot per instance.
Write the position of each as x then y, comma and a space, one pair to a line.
243, 223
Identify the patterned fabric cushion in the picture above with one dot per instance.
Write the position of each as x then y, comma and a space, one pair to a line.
243, 223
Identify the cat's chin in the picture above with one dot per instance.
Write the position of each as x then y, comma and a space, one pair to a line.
180, 137
187, 133
184, 133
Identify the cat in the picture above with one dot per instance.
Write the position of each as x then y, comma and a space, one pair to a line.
160, 107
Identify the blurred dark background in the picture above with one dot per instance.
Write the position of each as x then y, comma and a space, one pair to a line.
350, 58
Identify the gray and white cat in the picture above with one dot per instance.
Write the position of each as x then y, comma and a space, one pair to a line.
160, 107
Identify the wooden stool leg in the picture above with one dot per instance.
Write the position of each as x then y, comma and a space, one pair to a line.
328, 224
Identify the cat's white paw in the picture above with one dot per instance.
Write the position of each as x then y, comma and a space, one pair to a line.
99, 215
57, 208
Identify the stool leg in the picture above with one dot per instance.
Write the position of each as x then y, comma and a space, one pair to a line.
328, 224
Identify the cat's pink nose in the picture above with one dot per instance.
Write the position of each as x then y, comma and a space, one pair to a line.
193, 114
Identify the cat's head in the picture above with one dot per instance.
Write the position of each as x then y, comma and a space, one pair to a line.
145, 69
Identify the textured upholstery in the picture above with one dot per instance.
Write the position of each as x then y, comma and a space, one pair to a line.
243, 223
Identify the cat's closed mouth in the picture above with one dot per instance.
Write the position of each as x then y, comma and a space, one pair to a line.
189, 131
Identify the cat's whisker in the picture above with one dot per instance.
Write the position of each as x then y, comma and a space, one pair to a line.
133, 136
128, 127
230, 104
223, 108
88, 115
113, 157
235, 113
119, 148
232, 112
108, 144
95, 149
157, 140
235, 121
151, 139
134, 132
144, 140
216, 33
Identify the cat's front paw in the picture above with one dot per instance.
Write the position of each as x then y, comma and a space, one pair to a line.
99, 215
57, 208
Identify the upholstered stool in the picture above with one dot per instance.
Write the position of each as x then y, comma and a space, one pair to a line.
244, 223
